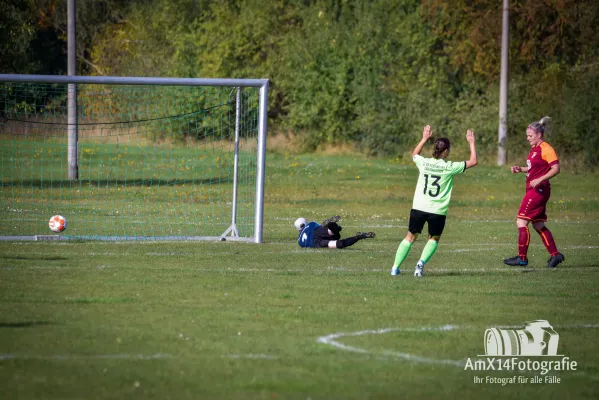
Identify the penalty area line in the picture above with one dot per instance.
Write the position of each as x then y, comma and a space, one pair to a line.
331, 340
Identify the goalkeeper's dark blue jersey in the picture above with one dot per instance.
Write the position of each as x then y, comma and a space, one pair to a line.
306, 236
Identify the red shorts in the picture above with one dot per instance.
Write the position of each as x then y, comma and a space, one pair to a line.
534, 204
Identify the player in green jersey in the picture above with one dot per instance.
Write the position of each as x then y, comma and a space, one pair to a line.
431, 198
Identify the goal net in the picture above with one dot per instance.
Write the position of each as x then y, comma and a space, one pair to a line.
132, 158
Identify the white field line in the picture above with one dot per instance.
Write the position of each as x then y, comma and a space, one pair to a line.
328, 340
394, 223
443, 248
252, 356
331, 340
494, 246
432, 270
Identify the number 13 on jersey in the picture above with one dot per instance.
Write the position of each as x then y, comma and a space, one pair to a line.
433, 188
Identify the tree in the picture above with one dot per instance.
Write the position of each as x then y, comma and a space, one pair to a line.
17, 30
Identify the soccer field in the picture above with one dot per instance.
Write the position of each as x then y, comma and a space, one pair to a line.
223, 320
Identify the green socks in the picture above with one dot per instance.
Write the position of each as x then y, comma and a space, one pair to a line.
404, 249
402, 252
429, 250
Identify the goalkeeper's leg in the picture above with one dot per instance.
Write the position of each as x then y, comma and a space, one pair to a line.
350, 241
334, 218
334, 229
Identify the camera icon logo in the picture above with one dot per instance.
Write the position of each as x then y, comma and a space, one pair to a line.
537, 338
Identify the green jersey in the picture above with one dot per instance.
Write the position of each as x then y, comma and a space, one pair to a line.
435, 182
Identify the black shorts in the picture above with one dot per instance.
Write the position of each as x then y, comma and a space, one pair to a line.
436, 222
322, 237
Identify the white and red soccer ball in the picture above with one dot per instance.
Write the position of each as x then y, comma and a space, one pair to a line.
57, 223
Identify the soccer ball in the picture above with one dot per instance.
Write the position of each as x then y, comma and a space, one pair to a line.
57, 223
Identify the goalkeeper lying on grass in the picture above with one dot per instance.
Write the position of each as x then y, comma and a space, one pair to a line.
326, 235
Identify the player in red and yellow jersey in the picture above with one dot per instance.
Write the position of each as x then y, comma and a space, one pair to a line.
542, 164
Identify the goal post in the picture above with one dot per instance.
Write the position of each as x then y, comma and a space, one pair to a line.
156, 158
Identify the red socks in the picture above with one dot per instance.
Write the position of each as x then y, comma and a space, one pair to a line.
523, 241
548, 241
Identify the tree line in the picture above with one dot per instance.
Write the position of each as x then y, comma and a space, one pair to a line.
368, 73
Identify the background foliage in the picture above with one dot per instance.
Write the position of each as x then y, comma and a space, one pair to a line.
366, 73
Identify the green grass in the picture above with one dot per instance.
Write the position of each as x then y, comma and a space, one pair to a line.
227, 320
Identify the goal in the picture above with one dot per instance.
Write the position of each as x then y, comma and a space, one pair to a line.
132, 158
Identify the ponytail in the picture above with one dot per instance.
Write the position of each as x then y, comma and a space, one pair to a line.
540, 126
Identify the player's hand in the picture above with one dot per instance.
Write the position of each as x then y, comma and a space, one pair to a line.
535, 182
516, 169
427, 133
470, 136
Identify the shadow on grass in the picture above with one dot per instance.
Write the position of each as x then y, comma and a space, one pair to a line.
99, 300
24, 324
44, 258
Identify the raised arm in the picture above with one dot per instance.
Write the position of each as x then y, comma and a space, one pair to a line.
426, 134
473, 159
